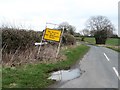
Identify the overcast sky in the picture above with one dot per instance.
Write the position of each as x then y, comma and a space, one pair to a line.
33, 14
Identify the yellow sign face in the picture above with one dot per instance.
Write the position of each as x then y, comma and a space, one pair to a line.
52, 34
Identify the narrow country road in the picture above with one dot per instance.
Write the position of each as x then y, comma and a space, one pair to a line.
101, 70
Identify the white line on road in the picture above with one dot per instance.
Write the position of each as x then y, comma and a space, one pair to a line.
116, 72
106, 57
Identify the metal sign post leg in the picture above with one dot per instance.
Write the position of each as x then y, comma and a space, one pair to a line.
59, 50
40, 45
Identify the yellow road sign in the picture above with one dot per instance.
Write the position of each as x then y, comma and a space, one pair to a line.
52, 34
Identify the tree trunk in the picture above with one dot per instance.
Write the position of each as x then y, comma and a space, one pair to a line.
82, 39
100, 40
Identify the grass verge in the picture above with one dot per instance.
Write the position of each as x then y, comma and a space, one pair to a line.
116, 48
35, 75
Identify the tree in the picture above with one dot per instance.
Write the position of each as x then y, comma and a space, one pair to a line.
65, 25
84, 33
114, 36
69, 32
67, 28
101, 28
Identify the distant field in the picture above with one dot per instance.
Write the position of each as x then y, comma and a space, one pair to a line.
113, 41
110, 41
90, 40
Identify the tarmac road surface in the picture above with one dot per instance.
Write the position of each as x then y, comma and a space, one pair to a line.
101, 70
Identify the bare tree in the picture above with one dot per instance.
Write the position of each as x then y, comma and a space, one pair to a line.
71, 29
84, 33
65, 25
101, 28
67, 28
69, 32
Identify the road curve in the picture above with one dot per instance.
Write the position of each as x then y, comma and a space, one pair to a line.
101, 70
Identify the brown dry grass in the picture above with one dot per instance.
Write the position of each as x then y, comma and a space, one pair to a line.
47, 55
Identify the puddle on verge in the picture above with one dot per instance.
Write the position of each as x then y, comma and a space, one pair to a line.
65, 75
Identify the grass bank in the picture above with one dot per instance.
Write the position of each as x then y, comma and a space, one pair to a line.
116, 48
35, 75
112, 43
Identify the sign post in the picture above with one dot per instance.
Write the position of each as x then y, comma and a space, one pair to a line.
59, 43
59, 49
53, 35
40, 45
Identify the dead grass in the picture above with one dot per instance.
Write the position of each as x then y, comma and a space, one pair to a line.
47, 55
116, 48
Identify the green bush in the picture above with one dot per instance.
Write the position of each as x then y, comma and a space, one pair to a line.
68, 39
12, 39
